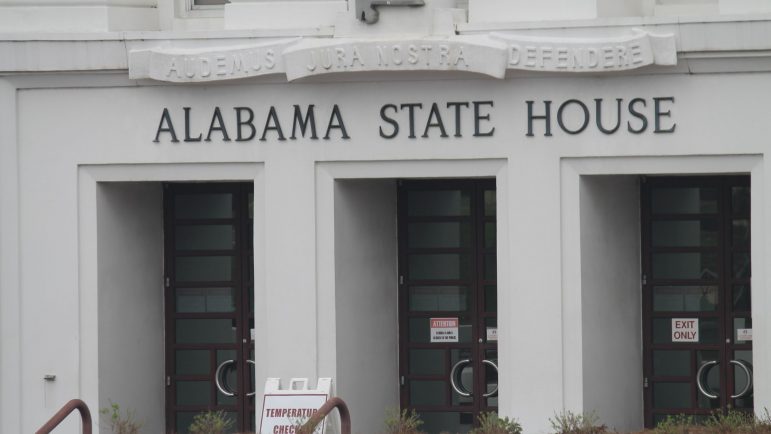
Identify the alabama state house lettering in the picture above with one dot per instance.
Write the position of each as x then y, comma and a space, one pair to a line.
417, 120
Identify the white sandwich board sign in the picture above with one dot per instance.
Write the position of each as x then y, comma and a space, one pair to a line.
284, 410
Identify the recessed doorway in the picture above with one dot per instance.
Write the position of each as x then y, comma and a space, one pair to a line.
448, 301
209, 272
696, 296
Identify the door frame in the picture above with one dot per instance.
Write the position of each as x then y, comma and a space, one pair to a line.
725, 313
477, 186
243, 314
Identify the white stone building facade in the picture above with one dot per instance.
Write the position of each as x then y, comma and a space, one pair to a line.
451, 206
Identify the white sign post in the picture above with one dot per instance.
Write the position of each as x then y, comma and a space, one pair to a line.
284, 410
444, 329
685, 330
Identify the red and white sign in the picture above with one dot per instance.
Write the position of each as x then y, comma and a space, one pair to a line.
685, 330
444, 329
284, 414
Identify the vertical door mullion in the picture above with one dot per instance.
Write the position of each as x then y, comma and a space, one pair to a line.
725, 268
477, 269
171, 414
647, 303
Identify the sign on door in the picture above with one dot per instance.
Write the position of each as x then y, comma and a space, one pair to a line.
685, 330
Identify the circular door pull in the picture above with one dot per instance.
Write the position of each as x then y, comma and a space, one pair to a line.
748, 372
703, 370
222, 383
458, 388
493, 392
251, 362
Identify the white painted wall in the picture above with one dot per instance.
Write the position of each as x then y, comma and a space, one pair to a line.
45, 16
60, 130
131, 313
497, 11
611, 300
366, 299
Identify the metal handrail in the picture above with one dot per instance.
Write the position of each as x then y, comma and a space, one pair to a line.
72, 405
331, 404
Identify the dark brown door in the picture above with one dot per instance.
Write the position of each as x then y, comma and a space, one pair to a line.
209, 303
447, 267
696, 292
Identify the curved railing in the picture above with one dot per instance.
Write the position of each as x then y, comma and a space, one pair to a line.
331, 404
72, 405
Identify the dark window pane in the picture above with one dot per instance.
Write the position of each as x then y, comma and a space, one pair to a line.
205, 331
685, 298
205, 300
490, 235
205, 237
742, 297
203, 206
446, 422
671, 395
446, 266
490, 203
439, 235
741, 265
427, 392
491, 265
740, 233
192, 362
193, 392
427, 362
672, 363
204, 268
688, 200
184, 420
685, 233
685, 266
491, 298
438, 203
740, 379
419, 330
740, 200
439, 298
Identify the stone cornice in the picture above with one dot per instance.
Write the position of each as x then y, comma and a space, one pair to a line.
700, 46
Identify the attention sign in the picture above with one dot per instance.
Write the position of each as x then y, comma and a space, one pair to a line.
444, 329
685, 330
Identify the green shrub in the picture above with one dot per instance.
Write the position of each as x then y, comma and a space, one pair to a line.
733, 422
120, 423
210, 422
568, 422
491, 423
404, 422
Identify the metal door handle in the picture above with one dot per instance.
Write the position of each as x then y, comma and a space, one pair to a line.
494, 391
703, 370
251, 362
748, 372
459, 389
222, 386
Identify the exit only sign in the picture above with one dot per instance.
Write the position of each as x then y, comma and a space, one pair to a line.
685, 330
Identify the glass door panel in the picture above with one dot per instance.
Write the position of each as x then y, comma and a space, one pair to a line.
209, 270
448, 271
696, 296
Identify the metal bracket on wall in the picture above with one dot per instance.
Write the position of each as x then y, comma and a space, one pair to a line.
365, 9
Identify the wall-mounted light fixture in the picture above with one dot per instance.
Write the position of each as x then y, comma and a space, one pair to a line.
365, 9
